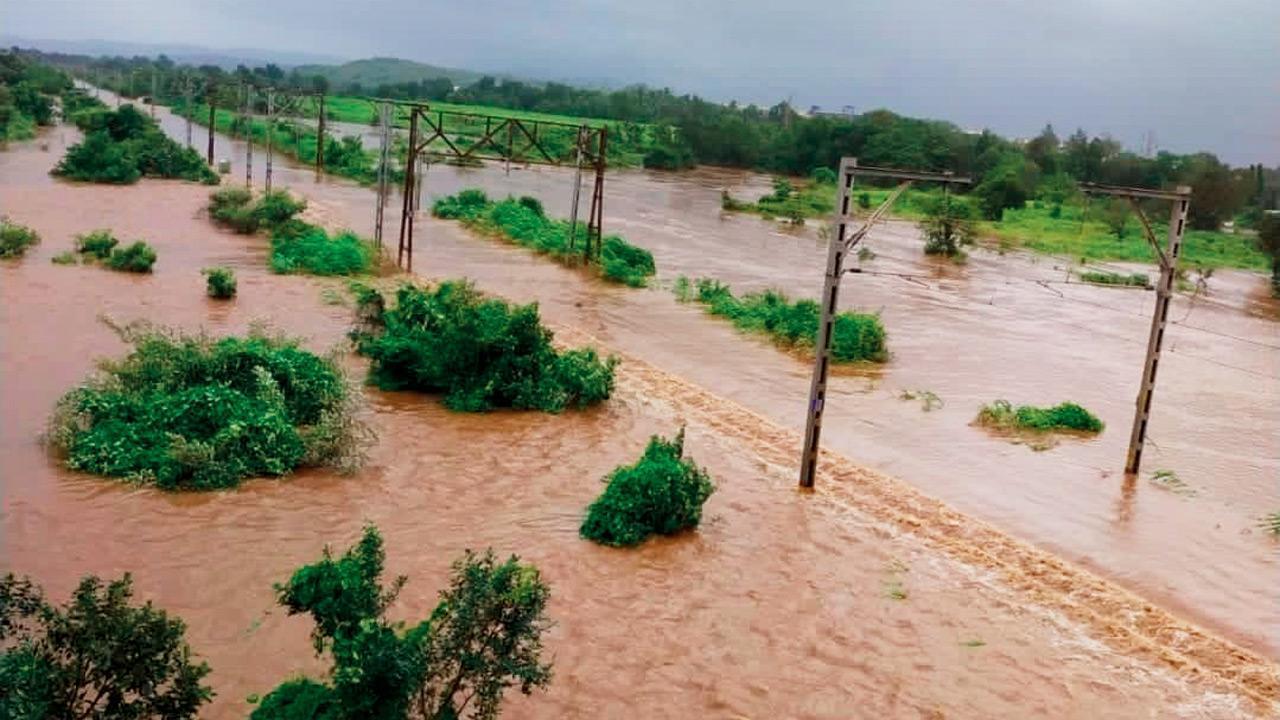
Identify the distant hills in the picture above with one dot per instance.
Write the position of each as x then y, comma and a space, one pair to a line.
372, 72
226, 58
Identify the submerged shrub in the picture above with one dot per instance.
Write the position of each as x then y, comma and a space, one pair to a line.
15, 239
856, 337
662, 494
66, 257
1114, 278
138, 258
479, 353
525, 223
97, 244
1065, 416
220, 282
484, 636
193, 413
237, 209
298, 247
123, 145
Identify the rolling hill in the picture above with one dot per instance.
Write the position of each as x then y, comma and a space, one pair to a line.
372, 72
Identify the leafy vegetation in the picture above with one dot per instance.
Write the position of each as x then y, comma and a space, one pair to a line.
483, 637
193, 413
96, 245
1271, 523
220, 282
947, 226
523, 222
237, 209
1114, 278
479, 353
856, 337
65, 257
15, 239
123, 145
1065, 416
136, 258
661, 494
99, 656
1269, 244
25, 96
296, 246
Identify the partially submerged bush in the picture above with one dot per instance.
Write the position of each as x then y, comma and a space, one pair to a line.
220, 282
856, 337
947, 226
1065, 416
484, 636
298, 247
237, 209
66, 257
1114, 278
123, 145
194, 413
137, 258
480, 353
661, 494
15, 239
98, 656
97, 244
525, 223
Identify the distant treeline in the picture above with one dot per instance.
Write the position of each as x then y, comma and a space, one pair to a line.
690, 130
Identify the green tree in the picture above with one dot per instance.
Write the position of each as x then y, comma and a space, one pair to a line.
484, 636
99, 657
947, 225
1269, 243
1215, 193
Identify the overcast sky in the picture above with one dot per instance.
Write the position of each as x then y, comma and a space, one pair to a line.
1198, 74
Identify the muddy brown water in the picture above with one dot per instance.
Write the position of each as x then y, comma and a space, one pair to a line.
781, 604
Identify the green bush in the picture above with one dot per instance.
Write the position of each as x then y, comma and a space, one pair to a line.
480, 353
524, 222
65, 257
97, 244
856, 337
298, 247
15, 239
948, 225
662, 494
1065, 416
484, 636
220, 282
237, 209
137, 258
1114, 278
98, 656
192, 413
123, 145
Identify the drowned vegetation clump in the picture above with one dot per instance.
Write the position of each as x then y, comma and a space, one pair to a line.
123, 145
296, 246
15, 239
483, 637
220, 282
194, 413
1001, 414
856, 337
524, 222
103, 246
478, 352
661, 494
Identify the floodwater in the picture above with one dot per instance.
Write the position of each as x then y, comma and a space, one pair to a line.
782, 604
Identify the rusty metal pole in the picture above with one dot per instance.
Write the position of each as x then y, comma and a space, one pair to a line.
1155, 339
384, 119
271, 126
186, 105
248, 136
320, 141
406, 201
595, 226
822, 344
213, 103
577, 188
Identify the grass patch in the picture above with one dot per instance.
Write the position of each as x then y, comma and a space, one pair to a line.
193, 413
135, 258
66, 257
523, 222
220, 282
857, 337
479, 353
123, 145
1001, 414
661, 494
296, 246
1114, 278
15, 239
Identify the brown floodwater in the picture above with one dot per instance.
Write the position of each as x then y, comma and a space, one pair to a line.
782, 604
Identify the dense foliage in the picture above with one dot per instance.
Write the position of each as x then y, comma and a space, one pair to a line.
296, 246
26, 90
479, 353
661, 494
99, 657
137, 258
194, 413
947, 227
1102, 277
237, 209
1269, 244
484, 636
220, 282
96, 245
856, 337
523, 222
123, 145
1064, 416
15, 239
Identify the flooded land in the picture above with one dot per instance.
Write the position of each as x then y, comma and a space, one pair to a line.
937, 572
